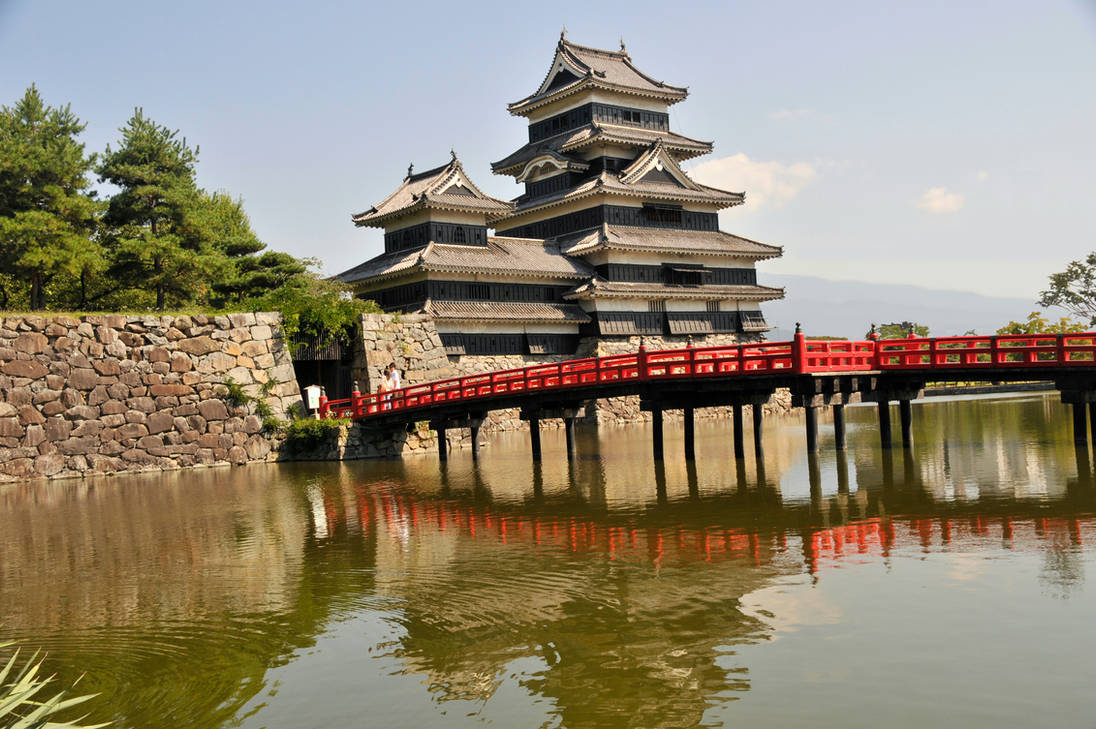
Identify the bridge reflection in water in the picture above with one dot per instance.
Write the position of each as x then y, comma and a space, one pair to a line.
582, 593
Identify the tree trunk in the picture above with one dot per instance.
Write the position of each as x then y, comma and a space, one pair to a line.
160, 298
37, 296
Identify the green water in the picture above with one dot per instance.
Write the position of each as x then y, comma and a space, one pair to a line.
941, 587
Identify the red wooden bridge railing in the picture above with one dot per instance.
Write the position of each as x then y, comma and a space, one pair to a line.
799, 356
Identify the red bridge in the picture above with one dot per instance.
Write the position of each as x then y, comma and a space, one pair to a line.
818, 373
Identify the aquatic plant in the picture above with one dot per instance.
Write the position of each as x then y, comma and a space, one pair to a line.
20, 707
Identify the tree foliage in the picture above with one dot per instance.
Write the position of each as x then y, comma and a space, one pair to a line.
160, 223
1074, 289
1037, 324
900, 330
47, 215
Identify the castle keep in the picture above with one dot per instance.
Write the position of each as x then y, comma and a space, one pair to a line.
610, 242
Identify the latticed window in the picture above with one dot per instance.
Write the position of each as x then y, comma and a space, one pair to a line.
713, 305
656, 305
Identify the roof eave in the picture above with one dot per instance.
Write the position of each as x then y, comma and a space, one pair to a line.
670, 94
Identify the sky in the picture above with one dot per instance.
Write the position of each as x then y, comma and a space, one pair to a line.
942, 144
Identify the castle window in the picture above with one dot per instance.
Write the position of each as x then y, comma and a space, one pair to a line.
656, 305
458, 234
713, 305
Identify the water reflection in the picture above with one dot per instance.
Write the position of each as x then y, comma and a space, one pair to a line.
586, 592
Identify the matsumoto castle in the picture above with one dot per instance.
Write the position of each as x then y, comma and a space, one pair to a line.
610, 240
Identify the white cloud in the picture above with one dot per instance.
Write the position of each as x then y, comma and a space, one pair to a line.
785, 114
938, 201
766, 183
982, 175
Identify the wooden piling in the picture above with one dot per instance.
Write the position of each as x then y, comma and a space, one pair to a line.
905, 415
534, 438
812, 428
1080, 424
569, 434
690, 442
839, 427
739, 446
759, 445
656, 439
884, 424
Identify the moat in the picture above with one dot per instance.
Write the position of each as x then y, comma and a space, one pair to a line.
945, 585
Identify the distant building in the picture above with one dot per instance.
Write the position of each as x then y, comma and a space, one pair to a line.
611, 240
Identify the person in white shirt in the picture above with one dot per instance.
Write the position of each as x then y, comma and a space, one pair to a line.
394, 382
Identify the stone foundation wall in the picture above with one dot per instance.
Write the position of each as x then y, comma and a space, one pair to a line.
112, 393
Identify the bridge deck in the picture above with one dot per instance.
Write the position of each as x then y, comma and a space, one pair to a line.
762, 367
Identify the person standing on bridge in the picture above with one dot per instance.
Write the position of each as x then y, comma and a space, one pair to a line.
394, 380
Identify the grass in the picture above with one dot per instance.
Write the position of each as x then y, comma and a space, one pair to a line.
22, 705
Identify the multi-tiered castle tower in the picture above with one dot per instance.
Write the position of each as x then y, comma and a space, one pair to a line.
611, 239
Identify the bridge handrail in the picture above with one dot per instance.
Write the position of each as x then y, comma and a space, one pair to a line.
799, 356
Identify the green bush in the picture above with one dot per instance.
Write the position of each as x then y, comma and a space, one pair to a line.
235, 395
306, 433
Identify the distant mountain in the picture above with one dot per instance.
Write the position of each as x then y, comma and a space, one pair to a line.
848, 308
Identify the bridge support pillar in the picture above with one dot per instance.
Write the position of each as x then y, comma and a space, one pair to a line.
1092, 420
812, 428
905, 415
443, 443
842, 473
690, 440
656, 423
474, 427
839, 427
759, 445
569, 435
534, 438
884, 424
739, 445
1080, 424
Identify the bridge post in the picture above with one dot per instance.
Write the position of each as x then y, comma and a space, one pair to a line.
812, 428
656, 422
739, 446
438, 426
839, 427
534, 438
905, 415
842, 473
1092, 419
569, 435
884, 424
1080, 425
474, 426
690, 445
759, 446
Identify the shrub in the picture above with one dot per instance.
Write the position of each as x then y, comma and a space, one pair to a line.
311, 433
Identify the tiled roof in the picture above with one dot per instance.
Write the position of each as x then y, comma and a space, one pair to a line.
600, 288
510, 310
681, 147
430, 189
609, 182
598, 68
501, 255
622, 237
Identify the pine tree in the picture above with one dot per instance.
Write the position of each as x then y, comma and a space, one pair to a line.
160, 235
47, 216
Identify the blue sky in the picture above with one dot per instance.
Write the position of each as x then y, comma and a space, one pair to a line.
945, 144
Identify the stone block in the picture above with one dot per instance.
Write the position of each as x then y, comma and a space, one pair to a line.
49, 465
55, 382
89, 427
74, 446
268, 317
29, 415
83, 379
233, 349
107, 366
199, 345
19, 396
261, 332
238, 335
19, 468
7, 410
252, 424
112, 407
99, 395
213, 410
139, 457
256, 448
160, 422
153, 444
242, 320
144, 404
71, 398
237, 455
53, 408
181, 363
35, 435
27, 368
82, 412
10, 427
113, 420
241, 375
132, 430
30, 342
136, 416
